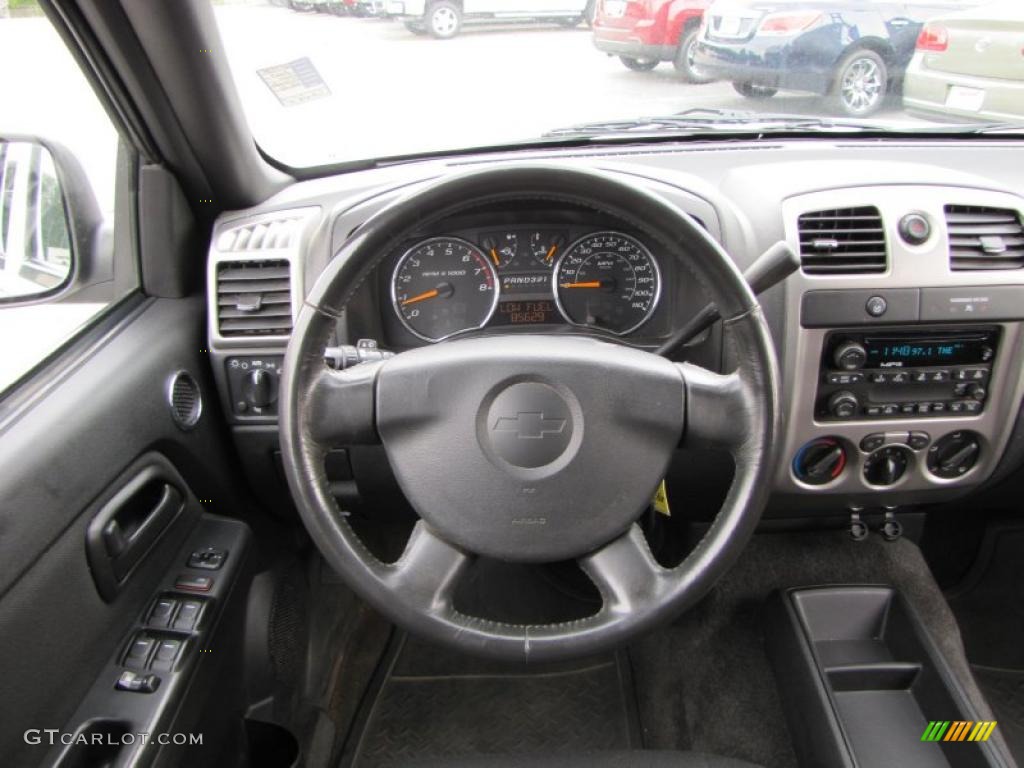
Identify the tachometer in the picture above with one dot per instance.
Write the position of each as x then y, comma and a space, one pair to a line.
607, 280
443, 286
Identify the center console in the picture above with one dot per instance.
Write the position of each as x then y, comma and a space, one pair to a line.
902, 349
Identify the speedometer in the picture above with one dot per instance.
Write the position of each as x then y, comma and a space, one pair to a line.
443, 286
607, 280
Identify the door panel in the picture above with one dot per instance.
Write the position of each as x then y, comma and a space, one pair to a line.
64, 457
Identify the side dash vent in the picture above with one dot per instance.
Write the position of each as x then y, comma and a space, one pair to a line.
842, 241
254, 298
984, 238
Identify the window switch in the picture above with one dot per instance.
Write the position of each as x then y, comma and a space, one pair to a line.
193, 583
188, 615
163, 609
133, 681
210, 559
138, 651
166, 654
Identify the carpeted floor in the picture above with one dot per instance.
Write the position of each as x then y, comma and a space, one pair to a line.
702, 683
435, 704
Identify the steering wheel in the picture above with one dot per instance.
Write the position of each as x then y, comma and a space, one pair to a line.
530, 448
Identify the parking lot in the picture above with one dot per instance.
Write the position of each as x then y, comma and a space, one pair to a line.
393, 92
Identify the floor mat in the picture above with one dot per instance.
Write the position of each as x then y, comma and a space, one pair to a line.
1004, 689
435, 704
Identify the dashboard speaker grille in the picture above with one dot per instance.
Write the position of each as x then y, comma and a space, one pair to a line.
185, 400
254, 298
984, 238
842, 241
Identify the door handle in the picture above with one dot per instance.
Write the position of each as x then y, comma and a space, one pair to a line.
137, 520
127, 526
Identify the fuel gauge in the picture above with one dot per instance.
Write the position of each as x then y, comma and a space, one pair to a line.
545, 247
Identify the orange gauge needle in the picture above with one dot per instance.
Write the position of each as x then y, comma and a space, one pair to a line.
551, 253
431, 294
590, 284
494, 257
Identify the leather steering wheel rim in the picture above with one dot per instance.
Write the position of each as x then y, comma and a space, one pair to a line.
737, 412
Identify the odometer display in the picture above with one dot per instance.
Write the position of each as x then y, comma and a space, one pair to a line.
444, 286
607, 280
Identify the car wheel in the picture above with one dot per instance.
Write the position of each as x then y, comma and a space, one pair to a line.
416, 29
860, 84
639, 65
444, 18
684, 60
751, 91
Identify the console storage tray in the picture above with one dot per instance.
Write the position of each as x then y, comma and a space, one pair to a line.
861, 680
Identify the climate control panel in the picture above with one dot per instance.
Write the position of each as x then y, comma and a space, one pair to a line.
906, 374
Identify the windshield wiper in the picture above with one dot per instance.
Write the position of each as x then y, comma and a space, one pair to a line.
718, 120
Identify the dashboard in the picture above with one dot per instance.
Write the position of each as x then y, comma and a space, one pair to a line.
901, 338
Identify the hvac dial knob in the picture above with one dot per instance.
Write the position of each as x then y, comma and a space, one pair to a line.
954, 455
886, 465
850, 356
820, 461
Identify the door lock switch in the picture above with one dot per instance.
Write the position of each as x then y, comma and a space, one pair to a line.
136, 683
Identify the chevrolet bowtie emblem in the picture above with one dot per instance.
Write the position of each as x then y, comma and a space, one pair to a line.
529, 425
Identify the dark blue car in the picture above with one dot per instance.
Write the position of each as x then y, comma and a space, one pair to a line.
852, 51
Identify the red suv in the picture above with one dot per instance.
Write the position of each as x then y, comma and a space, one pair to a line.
644, 33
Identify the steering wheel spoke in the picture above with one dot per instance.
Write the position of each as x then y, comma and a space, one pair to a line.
341, 406
626, 573
427, 572
718, 409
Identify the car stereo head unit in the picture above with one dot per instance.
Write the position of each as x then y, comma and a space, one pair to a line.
870, 375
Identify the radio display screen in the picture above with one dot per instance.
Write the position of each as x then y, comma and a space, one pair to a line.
922, 352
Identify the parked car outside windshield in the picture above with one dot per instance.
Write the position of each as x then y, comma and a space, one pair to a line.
970, 65
851, 52
400, 78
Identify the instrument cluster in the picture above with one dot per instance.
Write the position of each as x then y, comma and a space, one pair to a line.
446, 285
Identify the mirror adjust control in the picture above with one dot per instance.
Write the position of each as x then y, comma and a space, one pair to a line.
166, 654
163, 610
133, 681
210, 559
193, 583
188, 615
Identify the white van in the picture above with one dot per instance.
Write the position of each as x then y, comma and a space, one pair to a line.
444, 18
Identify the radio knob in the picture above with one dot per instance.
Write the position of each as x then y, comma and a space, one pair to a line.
850, 356
975, 391
843, 404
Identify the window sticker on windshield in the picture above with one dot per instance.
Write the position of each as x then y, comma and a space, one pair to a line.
296, 82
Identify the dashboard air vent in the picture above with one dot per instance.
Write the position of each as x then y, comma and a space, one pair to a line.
254, 298
842, 241
984, 238
263, 236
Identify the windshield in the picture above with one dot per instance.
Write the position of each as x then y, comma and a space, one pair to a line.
335, 81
